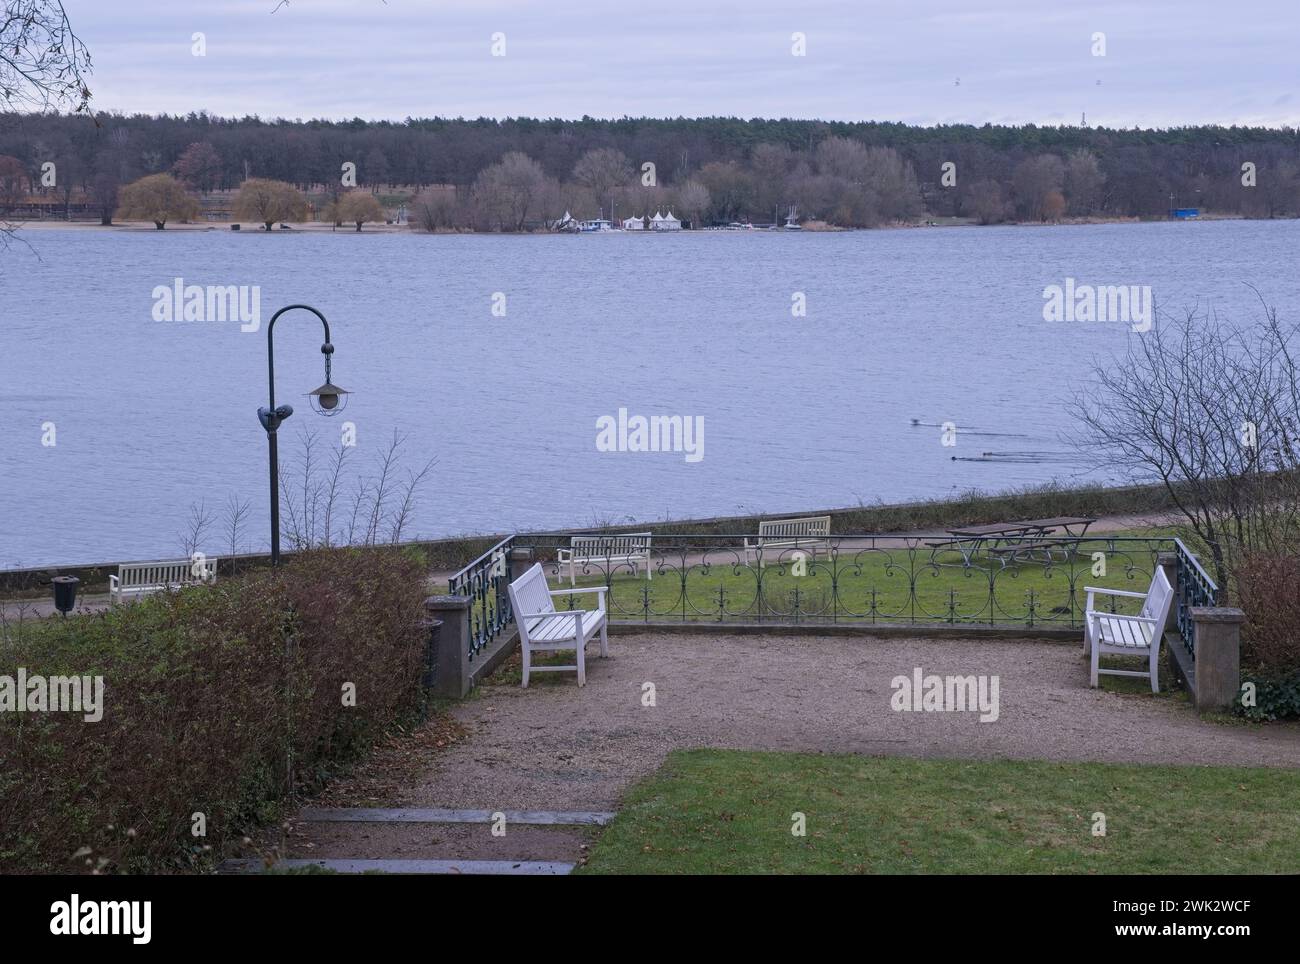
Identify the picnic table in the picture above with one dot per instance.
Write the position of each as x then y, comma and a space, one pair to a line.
1008, 539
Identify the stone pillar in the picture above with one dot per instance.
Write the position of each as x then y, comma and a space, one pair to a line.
454, 679
1218, 656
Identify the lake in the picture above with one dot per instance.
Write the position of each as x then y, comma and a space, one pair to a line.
799, 412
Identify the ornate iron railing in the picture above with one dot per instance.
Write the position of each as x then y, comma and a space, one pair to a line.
1193, 588
484, 581
872, 579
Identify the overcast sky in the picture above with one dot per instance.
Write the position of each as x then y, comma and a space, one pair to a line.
1166, 63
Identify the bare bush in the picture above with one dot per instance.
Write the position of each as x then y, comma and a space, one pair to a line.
1211, 411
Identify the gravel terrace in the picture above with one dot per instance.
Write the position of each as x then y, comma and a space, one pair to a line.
554, 746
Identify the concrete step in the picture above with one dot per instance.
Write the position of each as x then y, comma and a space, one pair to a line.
424, 841
411, 815
342, 865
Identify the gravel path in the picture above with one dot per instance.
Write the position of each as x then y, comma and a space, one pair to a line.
555, 746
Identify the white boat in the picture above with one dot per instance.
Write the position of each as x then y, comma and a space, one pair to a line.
594, 226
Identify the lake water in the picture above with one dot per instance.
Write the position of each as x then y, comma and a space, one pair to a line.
799, 412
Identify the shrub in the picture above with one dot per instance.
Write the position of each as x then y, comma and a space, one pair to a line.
1268, 589
1276, 698
217, 699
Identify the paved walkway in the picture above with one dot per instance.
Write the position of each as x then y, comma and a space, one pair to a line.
556, 747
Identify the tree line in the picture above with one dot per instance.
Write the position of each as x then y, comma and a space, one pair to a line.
520, 173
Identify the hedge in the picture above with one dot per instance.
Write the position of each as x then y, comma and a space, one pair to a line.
218, 700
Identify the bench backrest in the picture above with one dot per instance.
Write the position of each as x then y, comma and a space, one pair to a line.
795, 528
1159, 597
597, 547
529, 595
171, 572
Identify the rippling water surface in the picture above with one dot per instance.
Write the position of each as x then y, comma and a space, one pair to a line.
799, 412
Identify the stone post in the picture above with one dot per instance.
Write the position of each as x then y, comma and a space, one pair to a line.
1168, 561
1218, 656
454, 679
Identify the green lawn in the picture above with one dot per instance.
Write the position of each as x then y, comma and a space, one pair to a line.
885, 586
728, 811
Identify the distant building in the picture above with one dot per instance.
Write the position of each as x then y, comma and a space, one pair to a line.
661, 223
1185, 213
595, 224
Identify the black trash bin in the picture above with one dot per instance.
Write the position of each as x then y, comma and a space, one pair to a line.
65, 593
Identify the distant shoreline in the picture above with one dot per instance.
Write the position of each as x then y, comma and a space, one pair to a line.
318, 227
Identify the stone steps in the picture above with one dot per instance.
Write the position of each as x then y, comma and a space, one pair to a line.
435, 841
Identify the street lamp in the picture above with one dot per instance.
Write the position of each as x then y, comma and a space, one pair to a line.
328, 400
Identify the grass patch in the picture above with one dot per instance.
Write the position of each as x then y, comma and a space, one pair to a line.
885, 585
728, 811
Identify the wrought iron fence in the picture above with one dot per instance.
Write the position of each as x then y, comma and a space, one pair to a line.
484, 581
1194, 587
870, 579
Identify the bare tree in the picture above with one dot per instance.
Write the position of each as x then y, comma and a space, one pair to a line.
508, 193
43, 66
602, 170
436, 208
194, 535
158, 198
382, 505
43, 63
237, 512
1211, 411
267, 201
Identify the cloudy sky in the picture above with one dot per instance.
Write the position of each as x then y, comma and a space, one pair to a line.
1166, 62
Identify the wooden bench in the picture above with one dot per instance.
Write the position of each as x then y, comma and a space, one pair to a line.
143, 578
1118, 634
810, 532
543, 628
606, 552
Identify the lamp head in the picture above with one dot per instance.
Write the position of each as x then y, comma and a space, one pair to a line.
329, 399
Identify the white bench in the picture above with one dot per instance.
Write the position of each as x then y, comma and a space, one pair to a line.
606, 552
143, 578
1106, 633
543, 628
774, 535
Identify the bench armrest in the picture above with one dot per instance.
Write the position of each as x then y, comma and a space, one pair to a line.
112, 583
1114, 592
599, 590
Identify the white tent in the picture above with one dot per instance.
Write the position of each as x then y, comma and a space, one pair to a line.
634, 224
670, 223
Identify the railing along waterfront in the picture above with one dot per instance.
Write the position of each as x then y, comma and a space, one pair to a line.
850, 579
1194, 587
484, 581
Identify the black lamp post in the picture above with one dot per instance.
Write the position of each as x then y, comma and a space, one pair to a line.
328, 400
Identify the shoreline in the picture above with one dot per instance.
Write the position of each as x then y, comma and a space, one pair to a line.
320, 227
